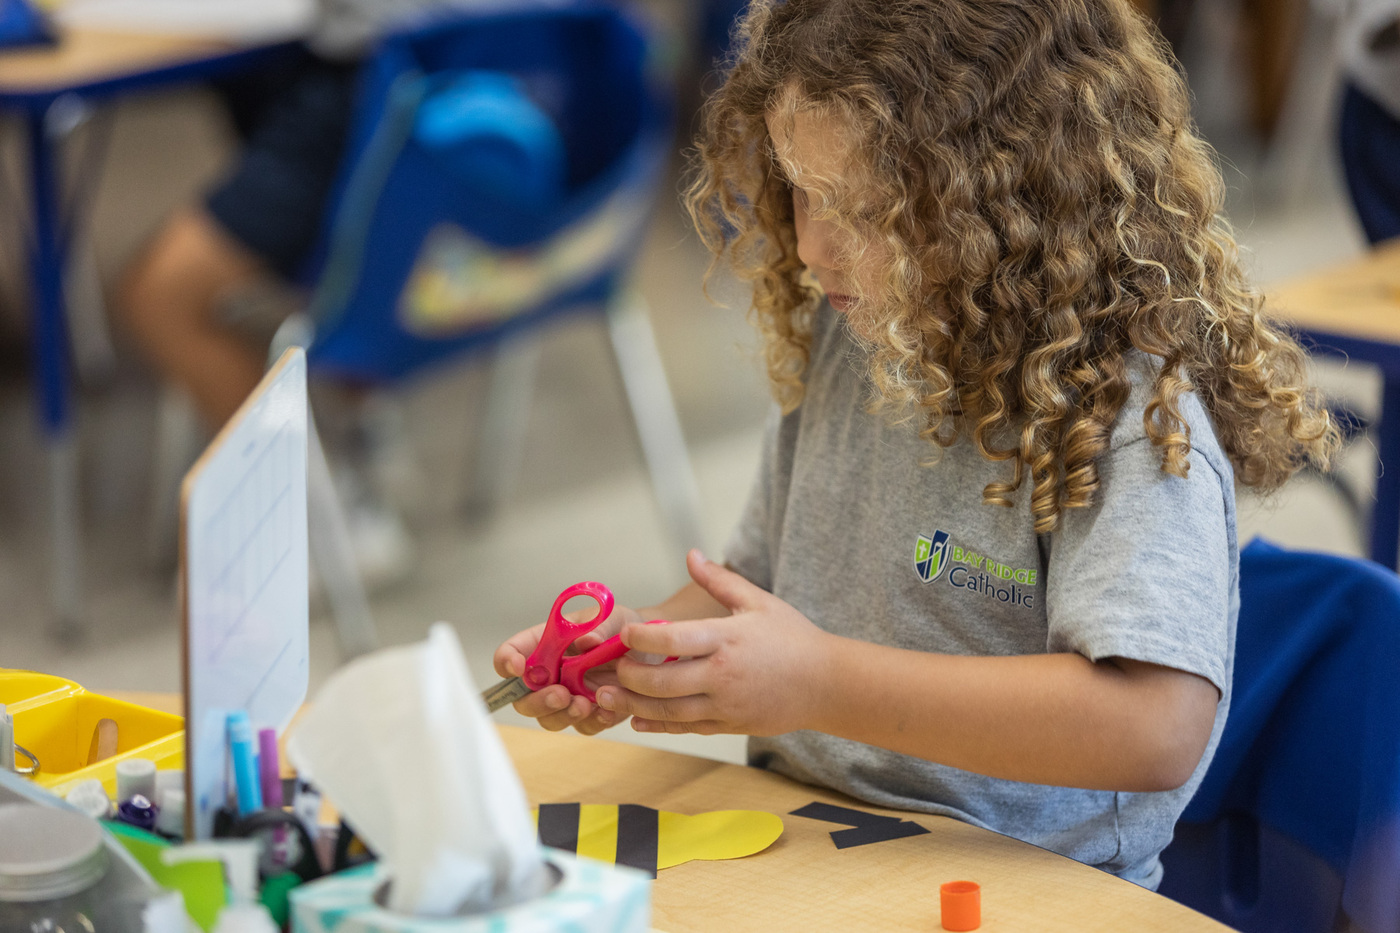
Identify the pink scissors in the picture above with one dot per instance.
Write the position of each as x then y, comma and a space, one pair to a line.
547, 664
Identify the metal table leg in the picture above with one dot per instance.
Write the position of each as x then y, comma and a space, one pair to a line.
51, 363
1385, 516
654, 414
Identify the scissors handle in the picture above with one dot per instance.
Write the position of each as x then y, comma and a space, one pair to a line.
573, 669
543, 667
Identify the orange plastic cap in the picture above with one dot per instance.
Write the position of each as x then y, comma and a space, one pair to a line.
961, 902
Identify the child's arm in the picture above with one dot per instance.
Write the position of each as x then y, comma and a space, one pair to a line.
554, 706
1048, 719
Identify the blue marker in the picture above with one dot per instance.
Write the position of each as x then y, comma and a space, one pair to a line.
245, 763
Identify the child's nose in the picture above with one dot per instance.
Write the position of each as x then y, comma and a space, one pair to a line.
815, 244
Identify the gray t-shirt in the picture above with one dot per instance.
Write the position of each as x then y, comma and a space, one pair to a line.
845, 524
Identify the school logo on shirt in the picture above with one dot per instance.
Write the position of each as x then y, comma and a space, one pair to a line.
929, 554
976, 575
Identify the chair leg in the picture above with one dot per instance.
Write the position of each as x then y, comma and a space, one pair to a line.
333, 557
93, 354
501, 439
1307, 82
177, 444
654, 414
69, 624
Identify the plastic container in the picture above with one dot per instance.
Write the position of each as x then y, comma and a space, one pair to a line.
961, 903
48, 854
113, 904
54, 874
55, 719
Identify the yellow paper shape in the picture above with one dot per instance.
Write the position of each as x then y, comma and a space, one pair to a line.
718, 834
597, 832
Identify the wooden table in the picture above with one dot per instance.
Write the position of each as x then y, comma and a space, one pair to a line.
1352, 310
87, 56
803, 882
45, 85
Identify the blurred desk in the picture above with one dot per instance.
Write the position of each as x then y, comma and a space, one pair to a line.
47, 86
88, 58
803, 882
1353, 311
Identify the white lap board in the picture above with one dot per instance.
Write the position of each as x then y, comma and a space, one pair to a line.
243, 545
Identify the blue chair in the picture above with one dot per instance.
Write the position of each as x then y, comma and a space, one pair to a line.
431, 249
1296, 826
499, 176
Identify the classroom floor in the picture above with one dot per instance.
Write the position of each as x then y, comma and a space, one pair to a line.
582, 507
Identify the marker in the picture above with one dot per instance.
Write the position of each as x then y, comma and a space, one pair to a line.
245, 765
271, 771
90, 797
7, 740
270, 768
306, 804
136, 776
170, 820
139, 812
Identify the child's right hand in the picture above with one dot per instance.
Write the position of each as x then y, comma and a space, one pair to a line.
554, 706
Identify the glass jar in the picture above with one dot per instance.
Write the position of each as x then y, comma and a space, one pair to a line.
52, 863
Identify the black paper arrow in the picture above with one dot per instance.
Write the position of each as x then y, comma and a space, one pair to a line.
866, 827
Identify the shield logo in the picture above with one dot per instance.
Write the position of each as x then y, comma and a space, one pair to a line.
929, 554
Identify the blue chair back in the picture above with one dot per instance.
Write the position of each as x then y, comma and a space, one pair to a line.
1298, 818
500, 172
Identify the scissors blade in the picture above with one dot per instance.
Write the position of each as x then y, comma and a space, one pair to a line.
505, 693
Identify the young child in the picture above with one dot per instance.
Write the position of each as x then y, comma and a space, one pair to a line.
988, 568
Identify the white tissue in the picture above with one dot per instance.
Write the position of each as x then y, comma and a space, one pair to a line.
400, 742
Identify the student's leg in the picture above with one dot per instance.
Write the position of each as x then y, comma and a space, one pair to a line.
169, 301
1370, 141
259, 221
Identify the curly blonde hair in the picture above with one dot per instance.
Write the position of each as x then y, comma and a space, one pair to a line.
1043, 209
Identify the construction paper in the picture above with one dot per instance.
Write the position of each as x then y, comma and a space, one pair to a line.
201, 883
557, 825
866, 827
639, 838
650, 840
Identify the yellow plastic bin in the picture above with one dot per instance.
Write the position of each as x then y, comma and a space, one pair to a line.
55, 719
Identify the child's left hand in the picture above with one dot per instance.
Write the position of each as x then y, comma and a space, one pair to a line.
759, 671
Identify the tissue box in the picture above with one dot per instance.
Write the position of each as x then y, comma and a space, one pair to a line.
589, 897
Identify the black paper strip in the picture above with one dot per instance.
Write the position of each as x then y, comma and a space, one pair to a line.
867, 827
558, 825
879, 832
637, 830
830, 813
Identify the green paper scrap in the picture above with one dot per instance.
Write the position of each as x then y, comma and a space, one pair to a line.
274, 893
201, 883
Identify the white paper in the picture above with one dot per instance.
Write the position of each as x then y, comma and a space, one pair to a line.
400, 742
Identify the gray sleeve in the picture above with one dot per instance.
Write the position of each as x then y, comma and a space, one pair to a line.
752, 545
1147, 573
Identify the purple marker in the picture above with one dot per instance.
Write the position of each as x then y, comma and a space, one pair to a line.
271, 774
270, 768
139, 812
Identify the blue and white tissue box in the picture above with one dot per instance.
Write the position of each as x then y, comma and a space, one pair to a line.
589, 897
